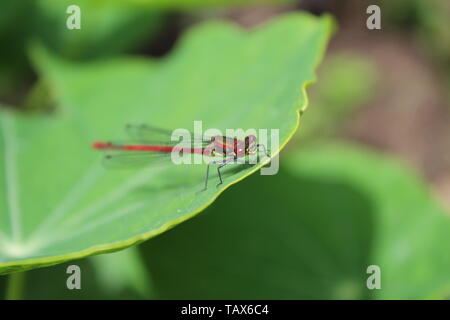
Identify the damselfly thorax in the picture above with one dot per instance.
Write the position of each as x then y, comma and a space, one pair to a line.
226, 146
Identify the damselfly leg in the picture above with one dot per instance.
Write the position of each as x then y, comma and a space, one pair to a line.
221, 163
264, 149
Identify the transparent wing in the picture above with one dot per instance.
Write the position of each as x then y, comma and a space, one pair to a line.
152, 135
124, 159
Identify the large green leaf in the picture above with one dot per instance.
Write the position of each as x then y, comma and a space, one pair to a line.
311, 232
59, 203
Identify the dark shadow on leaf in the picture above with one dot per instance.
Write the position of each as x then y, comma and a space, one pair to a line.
270, 237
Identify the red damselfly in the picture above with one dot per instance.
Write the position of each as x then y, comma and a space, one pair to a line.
149, 143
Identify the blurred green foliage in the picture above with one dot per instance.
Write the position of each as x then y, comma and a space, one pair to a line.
429, 21
108, 28
123, 271
346, 81
121, 275
308, 232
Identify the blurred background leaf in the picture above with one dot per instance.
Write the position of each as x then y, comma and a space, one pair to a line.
429, 20
310, 232
119, 275
108, 28
121, 271
348, 80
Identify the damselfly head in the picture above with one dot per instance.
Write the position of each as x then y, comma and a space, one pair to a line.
250, 143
